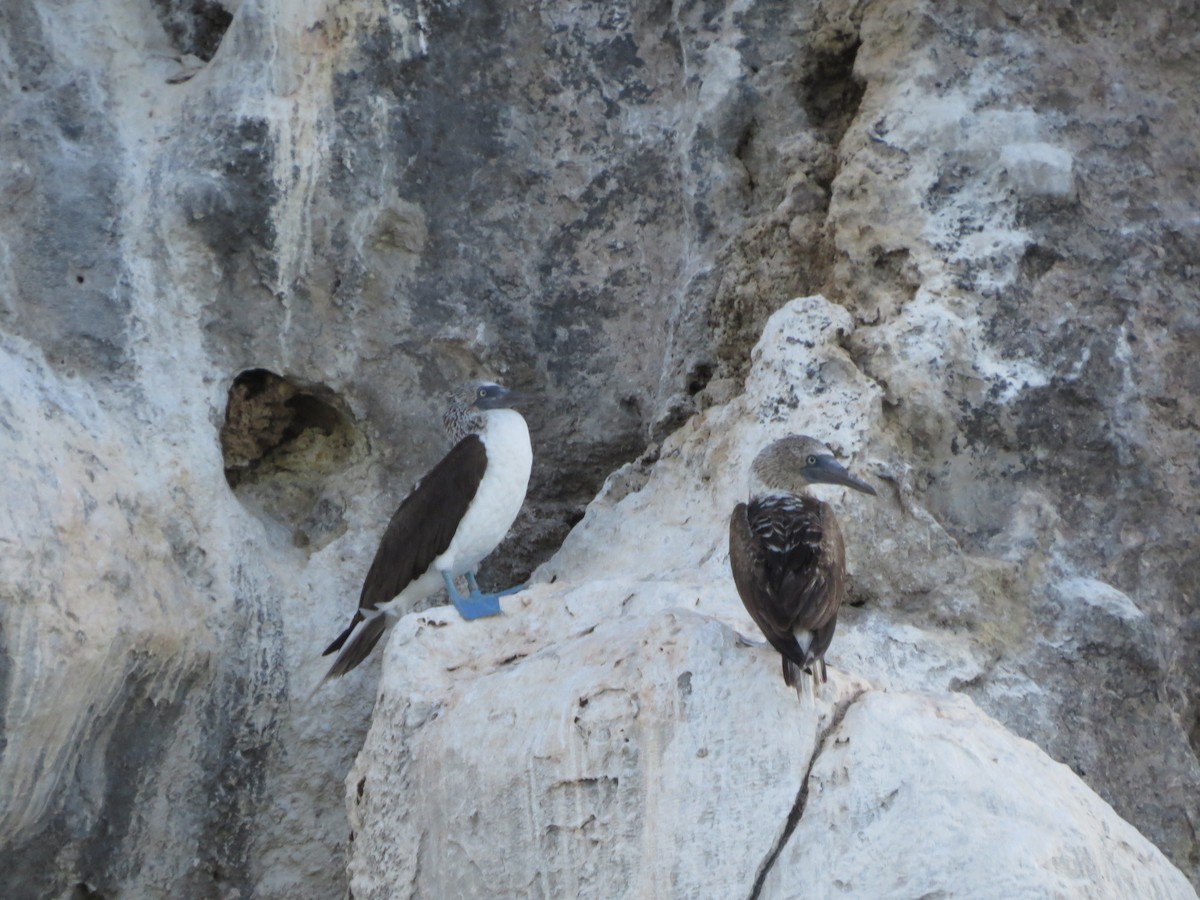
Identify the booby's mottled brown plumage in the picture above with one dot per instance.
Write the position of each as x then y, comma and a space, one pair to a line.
786, 551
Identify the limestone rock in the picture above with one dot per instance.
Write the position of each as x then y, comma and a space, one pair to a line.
606, 741
1038, 170
615, 723
593, 757
984, 814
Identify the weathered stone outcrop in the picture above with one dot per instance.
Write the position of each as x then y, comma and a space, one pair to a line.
246, 247
615, 735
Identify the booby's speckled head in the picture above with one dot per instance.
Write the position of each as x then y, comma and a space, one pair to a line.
465, 412
793, 463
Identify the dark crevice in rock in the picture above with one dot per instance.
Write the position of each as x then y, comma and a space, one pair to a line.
281, 444
973, 686
194, 26
829, 91
742, 153
1035, 262
698, 377
1194, 731
788, 251
797, 810
897, 268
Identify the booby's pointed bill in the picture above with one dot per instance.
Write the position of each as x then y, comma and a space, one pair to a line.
827, 470
495, 396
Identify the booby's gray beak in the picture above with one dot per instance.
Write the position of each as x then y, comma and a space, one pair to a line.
828, 470
500, 397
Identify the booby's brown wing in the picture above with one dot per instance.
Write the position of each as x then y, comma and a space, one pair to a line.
747, 559
805, 554
422, 528
787, 560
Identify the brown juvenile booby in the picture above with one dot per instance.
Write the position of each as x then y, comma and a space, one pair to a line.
786, 551
455, 516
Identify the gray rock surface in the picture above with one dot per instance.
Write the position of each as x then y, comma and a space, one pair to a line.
616, 735
246, 247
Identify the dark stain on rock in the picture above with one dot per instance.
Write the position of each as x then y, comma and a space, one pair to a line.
230, 200
61, 201
684, 683
194, 26
87, 844
146, 724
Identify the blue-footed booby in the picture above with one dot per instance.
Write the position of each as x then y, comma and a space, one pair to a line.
455, 516
786, 551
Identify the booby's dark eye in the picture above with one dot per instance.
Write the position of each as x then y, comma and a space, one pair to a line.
812, 461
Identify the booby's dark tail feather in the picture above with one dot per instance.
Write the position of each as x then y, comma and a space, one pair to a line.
357, 648
792, 671
341, 638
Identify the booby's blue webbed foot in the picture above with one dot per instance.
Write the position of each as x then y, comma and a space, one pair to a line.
475, 605
475, 588
474, 585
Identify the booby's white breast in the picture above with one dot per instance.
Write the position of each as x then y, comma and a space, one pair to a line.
499, 497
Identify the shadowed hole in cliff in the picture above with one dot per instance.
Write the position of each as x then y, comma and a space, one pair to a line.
886, 287
742, 153
283, 444
194, 26
699, 375
84, 891
829, 92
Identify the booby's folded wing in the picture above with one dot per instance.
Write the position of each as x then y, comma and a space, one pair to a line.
792, 532
786, 557
422, 528
748, 556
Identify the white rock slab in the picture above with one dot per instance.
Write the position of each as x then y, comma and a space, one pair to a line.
1038, 169
925, 796
581, 746
587, 745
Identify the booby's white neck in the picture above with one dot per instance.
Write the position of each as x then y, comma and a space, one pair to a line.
504, 427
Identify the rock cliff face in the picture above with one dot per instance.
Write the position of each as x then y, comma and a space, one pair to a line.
614, 735
246, 248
